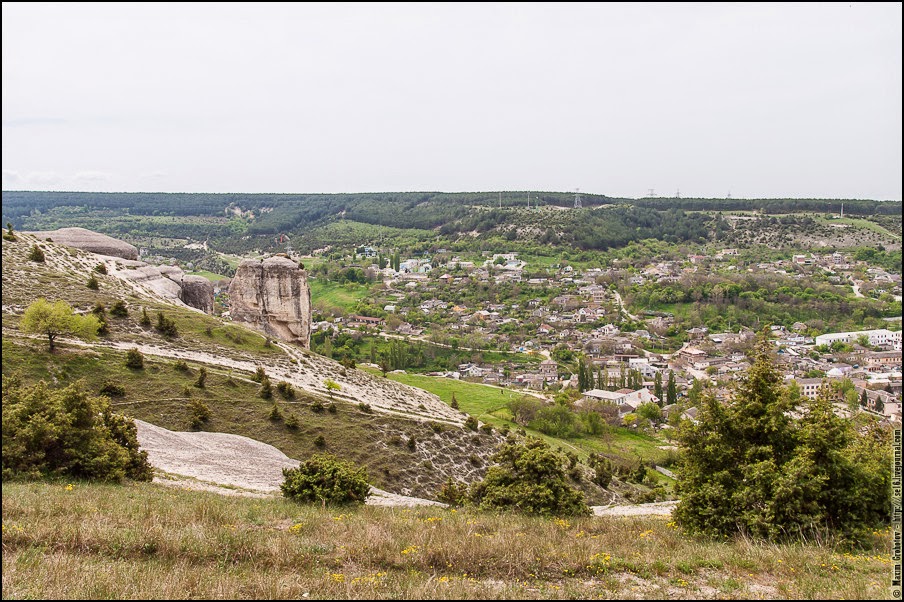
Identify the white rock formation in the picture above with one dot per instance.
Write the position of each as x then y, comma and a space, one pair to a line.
272, 295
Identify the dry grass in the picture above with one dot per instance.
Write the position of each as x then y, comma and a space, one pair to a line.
147, 541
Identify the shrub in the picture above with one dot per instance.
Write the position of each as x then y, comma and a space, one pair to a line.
266, 391
134, 359
181, 366
285, 390
319, 441
471, 423
602, 470
145, 318
112, 389
453, 493
412, 443
259, 375
275, 415
365, 407
200, 413
118, 310
436, 427
92, 283
56, 432
292, 422
101, 268
331, 408
317, 406
529, 477
454, 402
9, 234
326, 479
202, 377
166, 326
36, 254
487, 428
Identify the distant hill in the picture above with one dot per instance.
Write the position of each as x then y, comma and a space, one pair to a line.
239, 223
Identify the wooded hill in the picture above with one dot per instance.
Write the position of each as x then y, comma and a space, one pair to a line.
242, 222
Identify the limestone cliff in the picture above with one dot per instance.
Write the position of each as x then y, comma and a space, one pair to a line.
272, 295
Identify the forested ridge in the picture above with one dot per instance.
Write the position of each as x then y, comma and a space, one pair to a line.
241, 222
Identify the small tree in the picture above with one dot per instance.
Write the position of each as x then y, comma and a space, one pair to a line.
266, 390
259, 375
119, 310
291, 422
57, 319
275, 415
331, 386
326, 479
92, 283
134, 359
529, 477
101, 268
200, 413
202, 377
36, 254
10, 235
454, 402
145, 318
286, 390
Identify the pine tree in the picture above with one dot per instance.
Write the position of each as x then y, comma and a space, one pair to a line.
749, 468
657, 387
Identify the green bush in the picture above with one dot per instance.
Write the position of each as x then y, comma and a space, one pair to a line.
286, 390
275, 415
202, 378
101, 268
471, 423
200, 413
529, 477
166, 326
453, 493
292, 422
112, 389
327, 480
36, 254
65, 432
266, 390
92, 283
134, 359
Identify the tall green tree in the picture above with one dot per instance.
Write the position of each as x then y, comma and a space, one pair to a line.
748, 467
671, 389
57, 319
657, 387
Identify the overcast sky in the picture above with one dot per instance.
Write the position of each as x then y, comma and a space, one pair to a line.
781, 100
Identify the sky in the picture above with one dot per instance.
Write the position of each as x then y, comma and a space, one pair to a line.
701, 100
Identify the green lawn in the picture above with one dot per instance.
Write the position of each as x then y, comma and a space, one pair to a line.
335, 295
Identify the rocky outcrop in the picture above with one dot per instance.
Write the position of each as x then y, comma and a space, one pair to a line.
171, 283
197, 291
87, 240
272, 296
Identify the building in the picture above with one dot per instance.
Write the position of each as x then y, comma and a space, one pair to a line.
877, 338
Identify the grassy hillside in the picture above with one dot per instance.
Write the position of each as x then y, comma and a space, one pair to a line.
75, 540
